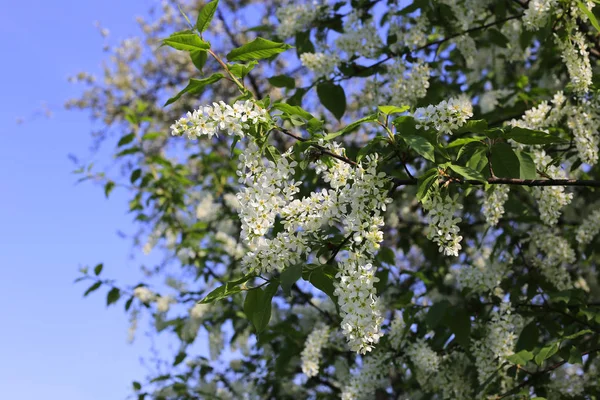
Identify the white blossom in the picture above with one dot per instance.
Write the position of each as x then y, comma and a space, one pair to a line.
295, 17
311, 355
368, 379
144, 294
443, 228
493, 204
576, 57
321, 64
408, 87
589, 228
537, 13
551, 254
446, 116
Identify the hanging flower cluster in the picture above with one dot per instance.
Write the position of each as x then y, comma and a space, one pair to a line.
311, 355
321, 64
443, 228
551, 254
493, 204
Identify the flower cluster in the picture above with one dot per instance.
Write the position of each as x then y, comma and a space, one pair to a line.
501, 335
537, 13
321, 64
397, 332
144, 294
313, 346
408, 88
445, 116
588, 229
413, 36
220, 117
466, 46
443, 228
583, 120
372, 375
550, 199
551, 253
493, 203
359, 37
295, 17
425, 360
576, 57
483, 275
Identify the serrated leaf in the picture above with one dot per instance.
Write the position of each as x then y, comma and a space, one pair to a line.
226, 290
257, 49
289, 276
282, 81
520, 358
207, 12
242, 70
351, 127
529, 136
467, 173
424, 184
545, 353
526, 165
420, 145
196, 86
186, 41
199, 58
333, 98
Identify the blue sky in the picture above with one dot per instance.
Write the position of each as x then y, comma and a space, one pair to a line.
53, 343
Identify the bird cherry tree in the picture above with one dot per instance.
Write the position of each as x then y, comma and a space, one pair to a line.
363, 199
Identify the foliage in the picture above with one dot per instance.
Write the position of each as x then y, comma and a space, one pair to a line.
371, 199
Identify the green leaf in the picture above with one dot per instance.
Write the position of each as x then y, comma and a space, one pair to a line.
113, 296
199, 58
520, 358
152, 135
393, 109
226, 290
282, 81
575, 356
351, 127
257, 305
333, 98
322, 279
98, 269
526, 165
473, 126
290, 110
425, 182
421, 145
464, 141
179, 358
289, 276
528, 136
576, 335
505, 162
303, 43
242, 70
186, 41
207, 12
136, 386
135, 175
108, 187
589, 14
257, 49
196, 86
126, 139
529, 337
545, 353
460, 324
95, 286
437, 312
467, 173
